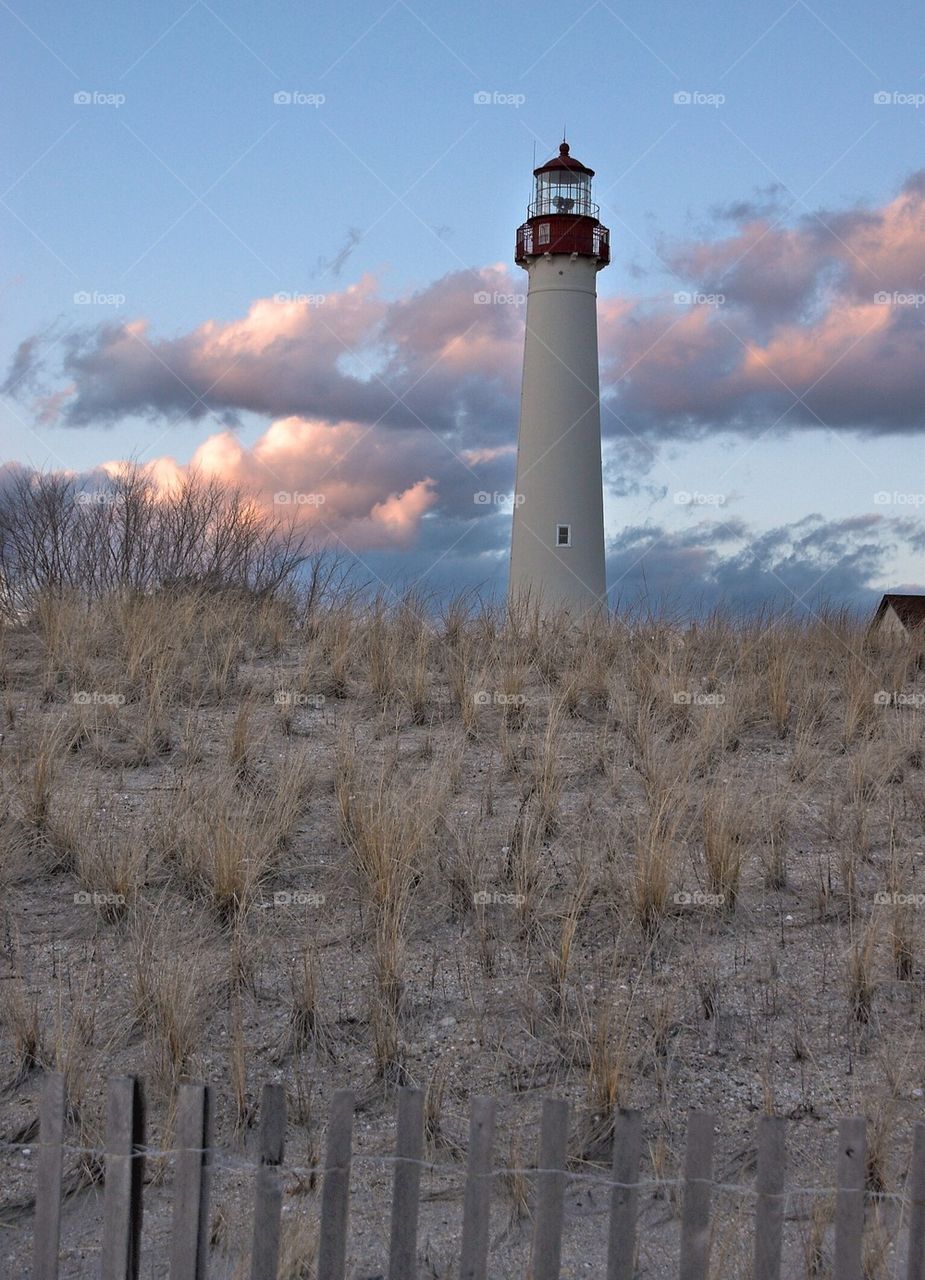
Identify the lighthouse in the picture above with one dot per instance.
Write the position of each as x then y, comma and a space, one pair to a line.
557, 546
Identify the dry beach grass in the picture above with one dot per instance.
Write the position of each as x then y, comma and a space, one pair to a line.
260, 832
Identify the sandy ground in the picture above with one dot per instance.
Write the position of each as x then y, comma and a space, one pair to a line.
736, 1011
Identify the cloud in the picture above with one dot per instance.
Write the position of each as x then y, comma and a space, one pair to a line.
25, 367
438, 360
771, 324
374, 512
819, 323
727, 563
352, 484
341, 483
767, 200
398, 410
798, 566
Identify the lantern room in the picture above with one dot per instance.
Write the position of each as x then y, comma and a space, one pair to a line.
563, 186
562, 217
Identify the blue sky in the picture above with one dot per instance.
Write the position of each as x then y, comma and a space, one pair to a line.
186, 189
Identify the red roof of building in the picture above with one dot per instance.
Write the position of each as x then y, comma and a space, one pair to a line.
909, 609
564, 161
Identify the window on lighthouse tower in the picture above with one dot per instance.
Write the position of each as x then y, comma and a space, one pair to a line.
563, 535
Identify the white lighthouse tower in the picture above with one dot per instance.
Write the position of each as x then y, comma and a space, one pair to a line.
557, 548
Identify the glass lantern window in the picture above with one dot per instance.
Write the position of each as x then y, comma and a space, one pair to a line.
563, 191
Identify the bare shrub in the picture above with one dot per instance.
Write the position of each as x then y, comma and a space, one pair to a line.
136, 537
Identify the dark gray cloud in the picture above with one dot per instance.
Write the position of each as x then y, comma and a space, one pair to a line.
719, 564
25, 368
767, 202
727, 564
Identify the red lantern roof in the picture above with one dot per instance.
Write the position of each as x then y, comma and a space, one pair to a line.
564, 161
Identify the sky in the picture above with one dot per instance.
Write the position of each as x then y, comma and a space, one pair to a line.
274, 243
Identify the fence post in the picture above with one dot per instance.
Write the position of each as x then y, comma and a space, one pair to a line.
268, 1192
473, 1254
189, 1243
624, 1198
695, 1213
409, 1151
335, 1190
122, 1207
48, 1190
851, 1172
915, 1268
546, 1258
769, 1206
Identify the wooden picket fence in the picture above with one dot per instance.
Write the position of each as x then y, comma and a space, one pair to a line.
124, 1176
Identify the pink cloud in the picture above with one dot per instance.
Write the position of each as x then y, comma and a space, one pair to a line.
797, 338
439, 357
815, 324
339, 482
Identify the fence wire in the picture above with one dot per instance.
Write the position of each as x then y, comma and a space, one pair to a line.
219, 1158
